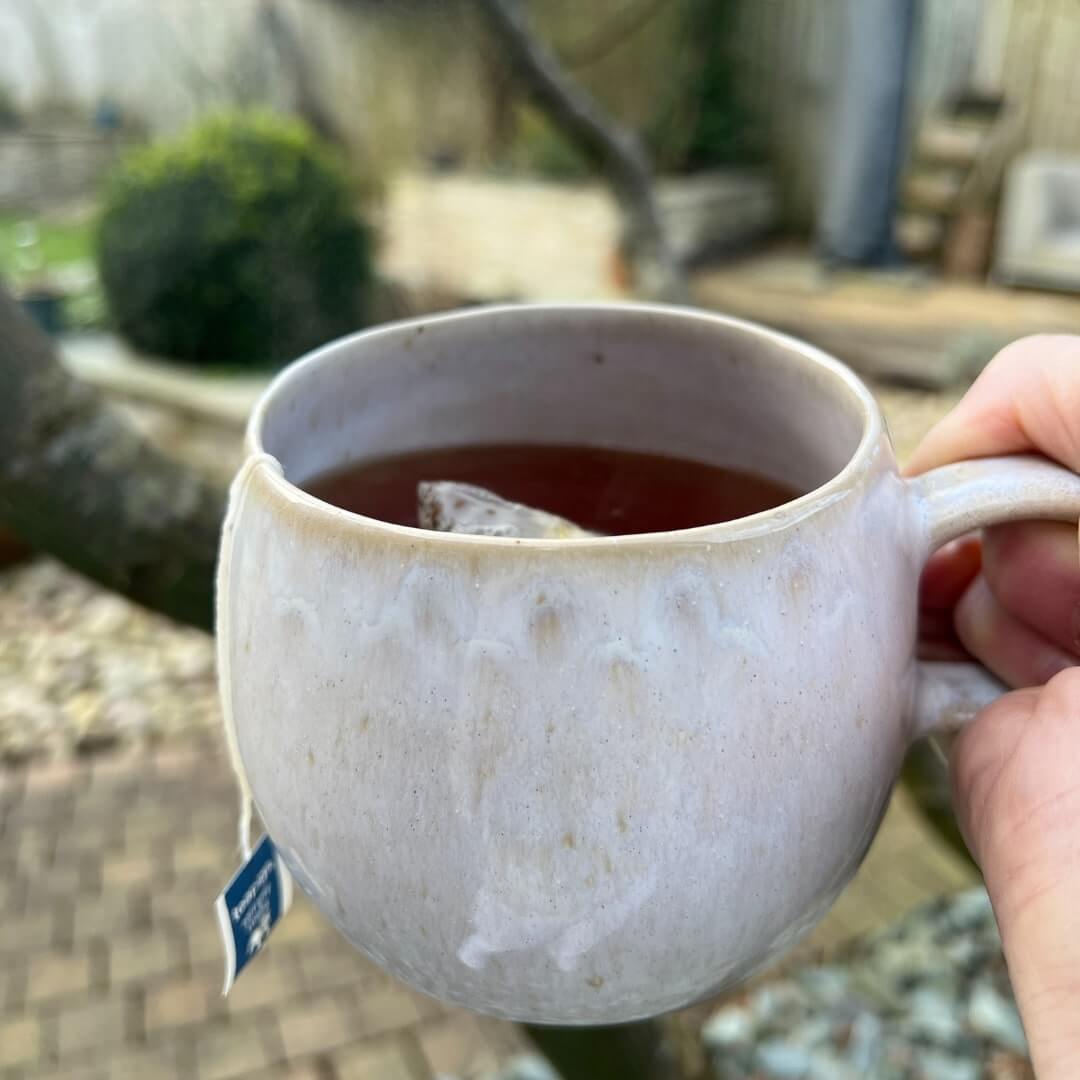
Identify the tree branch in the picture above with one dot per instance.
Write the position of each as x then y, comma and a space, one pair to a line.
291, 54
78, 482
614, 150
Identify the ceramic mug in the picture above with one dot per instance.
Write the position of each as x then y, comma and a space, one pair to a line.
587, 781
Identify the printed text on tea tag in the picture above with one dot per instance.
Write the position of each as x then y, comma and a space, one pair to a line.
248, 908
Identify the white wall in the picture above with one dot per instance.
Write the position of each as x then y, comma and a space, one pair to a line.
155, 57
388, 78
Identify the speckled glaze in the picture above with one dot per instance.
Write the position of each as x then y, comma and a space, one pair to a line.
586, 781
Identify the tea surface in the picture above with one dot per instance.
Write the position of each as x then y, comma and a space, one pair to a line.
606, 491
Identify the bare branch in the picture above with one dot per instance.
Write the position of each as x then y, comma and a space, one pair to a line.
291, 53
614, 150
79, 483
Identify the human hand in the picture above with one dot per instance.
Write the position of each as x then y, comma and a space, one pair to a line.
1015, 606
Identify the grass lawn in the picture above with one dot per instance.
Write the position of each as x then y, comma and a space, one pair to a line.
64, 249
61, 243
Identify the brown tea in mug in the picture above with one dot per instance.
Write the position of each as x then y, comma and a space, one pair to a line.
606, 491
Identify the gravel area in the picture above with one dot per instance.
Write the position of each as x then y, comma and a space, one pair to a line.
927, 999
81, 669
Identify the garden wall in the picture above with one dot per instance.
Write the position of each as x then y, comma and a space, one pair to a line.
41, 169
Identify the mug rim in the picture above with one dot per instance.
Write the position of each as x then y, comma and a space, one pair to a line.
736, 528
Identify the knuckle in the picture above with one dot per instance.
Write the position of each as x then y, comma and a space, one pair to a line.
1040, 347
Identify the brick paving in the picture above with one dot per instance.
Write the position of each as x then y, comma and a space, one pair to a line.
110, 964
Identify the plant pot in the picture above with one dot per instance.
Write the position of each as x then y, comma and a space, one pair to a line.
45, 308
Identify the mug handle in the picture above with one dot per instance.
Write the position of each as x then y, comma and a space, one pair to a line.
954, 500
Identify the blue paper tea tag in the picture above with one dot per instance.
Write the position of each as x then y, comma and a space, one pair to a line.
258, 895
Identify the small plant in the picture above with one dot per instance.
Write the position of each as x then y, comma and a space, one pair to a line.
235, 243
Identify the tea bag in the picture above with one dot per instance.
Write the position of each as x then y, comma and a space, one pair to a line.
446, 506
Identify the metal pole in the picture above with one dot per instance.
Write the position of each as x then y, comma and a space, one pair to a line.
866, 141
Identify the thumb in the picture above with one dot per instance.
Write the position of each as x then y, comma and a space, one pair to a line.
1018, 800
1026, 400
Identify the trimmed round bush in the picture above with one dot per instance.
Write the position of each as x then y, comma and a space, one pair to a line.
236, 243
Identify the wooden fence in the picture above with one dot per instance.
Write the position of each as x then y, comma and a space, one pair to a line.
1030, 50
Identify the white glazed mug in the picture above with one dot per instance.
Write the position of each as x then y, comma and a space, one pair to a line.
587, 781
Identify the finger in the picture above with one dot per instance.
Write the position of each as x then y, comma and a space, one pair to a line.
948, 573
1034, 571
944, 580
1018, 798
1014, 773
1018, 655
1027, 399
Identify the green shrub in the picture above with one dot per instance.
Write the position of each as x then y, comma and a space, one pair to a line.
236, 243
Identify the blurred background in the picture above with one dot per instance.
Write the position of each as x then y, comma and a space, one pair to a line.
192, 193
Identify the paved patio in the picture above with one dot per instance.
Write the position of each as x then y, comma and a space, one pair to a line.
110, 964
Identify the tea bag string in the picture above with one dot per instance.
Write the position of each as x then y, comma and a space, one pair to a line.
237, 499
